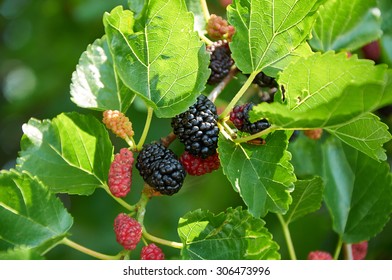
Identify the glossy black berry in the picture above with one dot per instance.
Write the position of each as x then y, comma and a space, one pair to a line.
197, 128
239, 116
220, 61
262, 80
160, 168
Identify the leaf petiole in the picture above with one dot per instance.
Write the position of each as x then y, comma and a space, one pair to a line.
239, 94
88, 251
204, 6
127, 206
150, 111
155, 239
287, 236
256, 135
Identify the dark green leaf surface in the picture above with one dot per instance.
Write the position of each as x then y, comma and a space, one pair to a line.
307, 197
232, 235
30, 215
159, 56
327, 89
268, 31
70, 154
358, 192
366, 134
334, 92
21, 253
261, 174
359, 24
95, 84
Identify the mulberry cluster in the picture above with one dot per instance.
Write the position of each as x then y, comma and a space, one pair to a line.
218, 28
197, 166
197, 128
118, 123
120, 173
220, 61
263, 80
151, 252
160, 168
128, 231
239, 116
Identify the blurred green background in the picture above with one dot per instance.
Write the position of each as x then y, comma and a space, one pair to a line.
40, 44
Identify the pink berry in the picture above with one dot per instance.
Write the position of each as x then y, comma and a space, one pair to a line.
359, 250
128, 231
319, 255
372, 51
120, 173
197, 166
151, 252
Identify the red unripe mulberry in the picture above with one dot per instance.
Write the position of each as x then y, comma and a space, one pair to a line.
151, 252
319, 255
128, 231
120, 173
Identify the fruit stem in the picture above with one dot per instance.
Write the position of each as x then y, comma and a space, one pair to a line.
287, 235
348, 251
238, 96
223, 131
221, 86
205, 39
161, 241
338, 249
256, 135
130, 142
88, 251
204, 7
146, 129
119, 200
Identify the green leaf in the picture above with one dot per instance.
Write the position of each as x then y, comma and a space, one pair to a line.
386, 16
262, 174
20, 253
230, 235
159, 56
268, 31
307, 197
307, 156
71, 154
366, 134
137, 7
200, 21
95, 84
327, 89
358, 25
30, 215
303, 50
358, 192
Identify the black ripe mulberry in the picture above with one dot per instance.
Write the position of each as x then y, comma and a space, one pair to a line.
197, 128
160, 168
220, 61
262, 80
239, 116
